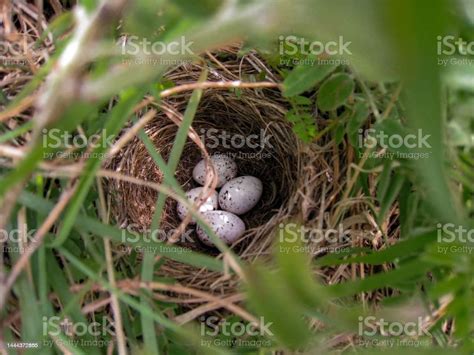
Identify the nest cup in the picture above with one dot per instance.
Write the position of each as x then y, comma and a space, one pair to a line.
246, 124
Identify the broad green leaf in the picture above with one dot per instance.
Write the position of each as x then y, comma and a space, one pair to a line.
360, 113
419, 69
295, 268
335, 91
305, 77
391, 184
269, 295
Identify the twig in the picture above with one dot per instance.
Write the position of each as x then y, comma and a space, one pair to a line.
122, 348
196, 312
131, 133
18, 108
129, 285
218, 85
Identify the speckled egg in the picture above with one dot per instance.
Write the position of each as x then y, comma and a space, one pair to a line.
227, 226
225, 167
241, 194
192, 195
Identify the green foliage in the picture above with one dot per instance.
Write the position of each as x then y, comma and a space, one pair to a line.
302, 118
305, 77
335, 92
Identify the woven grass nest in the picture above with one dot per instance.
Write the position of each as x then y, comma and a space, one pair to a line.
303, 181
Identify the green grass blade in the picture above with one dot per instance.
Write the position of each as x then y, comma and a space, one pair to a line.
148, 326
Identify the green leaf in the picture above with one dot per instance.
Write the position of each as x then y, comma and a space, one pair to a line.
305, 77
295, 269
410, 271
390, 184
198, 8
339, 133
423, 94
360, 113
269, 295
335, 91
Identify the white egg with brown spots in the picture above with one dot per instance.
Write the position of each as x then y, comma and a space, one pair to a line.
195, 195
224, 166
227, 226
241, 194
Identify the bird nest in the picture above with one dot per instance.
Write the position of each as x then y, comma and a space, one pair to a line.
300, 181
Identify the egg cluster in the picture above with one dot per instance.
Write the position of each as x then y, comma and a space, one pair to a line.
237, 195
